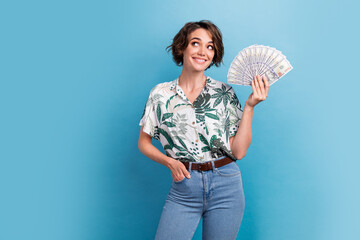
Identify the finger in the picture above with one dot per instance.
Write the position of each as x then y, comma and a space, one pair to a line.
261, 86
186, 172
178, 172
178, 176
256, 89
179, 179
266, 81
253, 86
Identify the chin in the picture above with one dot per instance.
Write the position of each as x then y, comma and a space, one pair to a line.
197, 67
201, 68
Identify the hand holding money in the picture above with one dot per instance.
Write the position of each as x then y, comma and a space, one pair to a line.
260, 86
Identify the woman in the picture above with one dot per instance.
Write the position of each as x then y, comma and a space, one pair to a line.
203, 130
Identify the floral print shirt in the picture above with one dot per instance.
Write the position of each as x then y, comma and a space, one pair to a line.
195, 132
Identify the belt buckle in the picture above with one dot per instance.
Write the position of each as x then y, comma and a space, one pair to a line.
199, 167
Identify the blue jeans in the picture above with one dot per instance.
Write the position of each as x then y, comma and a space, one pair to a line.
216, 195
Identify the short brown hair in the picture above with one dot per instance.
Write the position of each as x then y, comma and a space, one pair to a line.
181, 41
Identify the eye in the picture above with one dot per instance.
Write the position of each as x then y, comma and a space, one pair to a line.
211, 47
195, 43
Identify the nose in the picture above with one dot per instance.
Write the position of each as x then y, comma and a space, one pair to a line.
201, 51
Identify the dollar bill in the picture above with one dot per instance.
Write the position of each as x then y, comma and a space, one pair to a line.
258, 60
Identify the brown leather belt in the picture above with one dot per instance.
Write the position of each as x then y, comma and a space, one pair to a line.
207, 165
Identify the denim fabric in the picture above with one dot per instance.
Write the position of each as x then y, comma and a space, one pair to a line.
216, 195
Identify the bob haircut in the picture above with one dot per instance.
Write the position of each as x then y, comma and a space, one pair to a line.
181, 41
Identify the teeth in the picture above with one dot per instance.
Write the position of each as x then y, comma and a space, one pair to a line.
199, 60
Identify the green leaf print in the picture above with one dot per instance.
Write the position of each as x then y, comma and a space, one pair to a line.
213, 116
222, 95
217, 128
169, 124
179, 147
166, 135
226, 100
202, 100
219, 149
202, 104
158, 112
227, 128
182, 104
168, 101
180, 154
205, 149
181, 142
235, 102
200, 118
212, 141
166, 116
167, 146
217, 101
156, 97
203, 139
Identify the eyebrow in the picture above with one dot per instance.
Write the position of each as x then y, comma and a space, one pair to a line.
200, 39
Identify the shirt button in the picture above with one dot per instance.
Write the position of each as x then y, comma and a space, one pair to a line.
193, 123
197, 140
201, 157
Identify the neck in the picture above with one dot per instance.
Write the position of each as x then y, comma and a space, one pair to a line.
192, 81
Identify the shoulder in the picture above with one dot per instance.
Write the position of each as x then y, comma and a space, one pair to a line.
218, 84
162, 89
163, 85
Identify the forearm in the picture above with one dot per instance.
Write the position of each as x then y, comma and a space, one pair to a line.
154, 154
243, 135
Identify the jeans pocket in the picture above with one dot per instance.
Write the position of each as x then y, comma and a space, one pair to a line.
180, 180
228, 170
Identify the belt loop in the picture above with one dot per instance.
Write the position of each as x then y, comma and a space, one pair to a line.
213, 165
190, 163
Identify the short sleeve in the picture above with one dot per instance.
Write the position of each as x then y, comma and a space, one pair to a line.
235, 113
148, 119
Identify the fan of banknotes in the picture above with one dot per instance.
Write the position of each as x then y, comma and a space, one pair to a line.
258, 60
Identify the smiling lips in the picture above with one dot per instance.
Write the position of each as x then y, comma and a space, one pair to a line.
199, 60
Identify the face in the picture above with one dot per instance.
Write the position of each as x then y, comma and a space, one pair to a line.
200, 51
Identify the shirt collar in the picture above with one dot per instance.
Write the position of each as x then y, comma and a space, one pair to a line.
209, 83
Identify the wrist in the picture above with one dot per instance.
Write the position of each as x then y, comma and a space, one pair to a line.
248, 106
169, 162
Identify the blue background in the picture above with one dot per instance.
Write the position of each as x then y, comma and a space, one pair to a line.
75, 76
